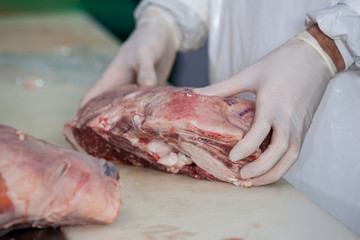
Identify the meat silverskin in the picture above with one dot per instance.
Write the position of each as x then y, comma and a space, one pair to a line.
44, 185
166, 128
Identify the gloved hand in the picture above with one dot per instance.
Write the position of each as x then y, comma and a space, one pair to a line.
289, 84
146, 58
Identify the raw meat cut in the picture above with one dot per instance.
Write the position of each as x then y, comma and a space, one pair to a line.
166, 128
45, 185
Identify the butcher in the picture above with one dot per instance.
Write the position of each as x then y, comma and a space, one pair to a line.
304, 78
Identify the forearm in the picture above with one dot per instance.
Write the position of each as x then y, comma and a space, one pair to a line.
328, 45
341, 23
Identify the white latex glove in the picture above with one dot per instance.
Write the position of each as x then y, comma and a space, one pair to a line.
289, 84
146, 58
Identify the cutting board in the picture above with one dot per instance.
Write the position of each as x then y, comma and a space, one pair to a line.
41, 84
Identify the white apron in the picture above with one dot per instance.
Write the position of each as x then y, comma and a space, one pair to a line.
328, 169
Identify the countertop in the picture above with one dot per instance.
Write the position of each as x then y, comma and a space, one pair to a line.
48, 61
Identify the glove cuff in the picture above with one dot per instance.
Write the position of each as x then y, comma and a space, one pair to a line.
309, 39
157, 16
188, 26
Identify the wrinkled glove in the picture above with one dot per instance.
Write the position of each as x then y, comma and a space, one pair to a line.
289, 84
146, 58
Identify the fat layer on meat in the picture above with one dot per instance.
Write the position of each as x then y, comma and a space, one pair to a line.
166, 128
45, 185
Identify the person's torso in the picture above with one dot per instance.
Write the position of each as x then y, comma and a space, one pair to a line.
243, 31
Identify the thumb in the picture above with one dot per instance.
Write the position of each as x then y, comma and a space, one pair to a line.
241, 82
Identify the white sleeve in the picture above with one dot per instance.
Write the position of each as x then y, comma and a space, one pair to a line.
354, 4
341, 23
188, 17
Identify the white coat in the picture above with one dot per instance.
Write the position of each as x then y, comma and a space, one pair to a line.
243, 31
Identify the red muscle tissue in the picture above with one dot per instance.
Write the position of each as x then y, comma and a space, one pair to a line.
166, 128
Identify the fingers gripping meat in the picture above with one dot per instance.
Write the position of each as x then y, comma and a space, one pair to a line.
166, 128
45, 185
